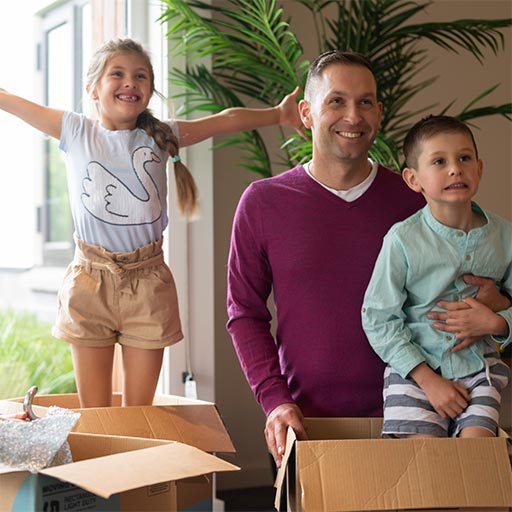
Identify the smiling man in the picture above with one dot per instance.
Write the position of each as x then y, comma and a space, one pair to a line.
312, 235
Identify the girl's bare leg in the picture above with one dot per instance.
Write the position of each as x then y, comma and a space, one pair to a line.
141, 371
93, 373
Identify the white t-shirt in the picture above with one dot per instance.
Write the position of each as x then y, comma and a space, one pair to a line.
352, 193
117, 183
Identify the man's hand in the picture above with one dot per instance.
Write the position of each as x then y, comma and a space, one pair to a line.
278, 421
471, 323
447, 397
464, 318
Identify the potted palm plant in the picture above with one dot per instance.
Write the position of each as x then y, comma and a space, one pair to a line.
255, 55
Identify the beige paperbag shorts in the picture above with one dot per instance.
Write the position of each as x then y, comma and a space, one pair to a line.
127, 298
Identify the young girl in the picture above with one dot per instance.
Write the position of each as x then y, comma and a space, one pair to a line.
118, 288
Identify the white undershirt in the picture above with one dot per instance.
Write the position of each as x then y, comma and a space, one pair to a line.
352, 193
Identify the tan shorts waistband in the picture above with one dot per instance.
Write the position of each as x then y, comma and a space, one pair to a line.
93, 256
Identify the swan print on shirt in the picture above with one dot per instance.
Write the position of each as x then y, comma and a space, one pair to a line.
110, 200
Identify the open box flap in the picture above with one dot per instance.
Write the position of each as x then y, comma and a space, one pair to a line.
198, 425
291, 437
72, 401
121, 472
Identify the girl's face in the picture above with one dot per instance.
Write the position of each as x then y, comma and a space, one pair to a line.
123, 91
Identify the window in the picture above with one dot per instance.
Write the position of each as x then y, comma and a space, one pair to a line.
64, 53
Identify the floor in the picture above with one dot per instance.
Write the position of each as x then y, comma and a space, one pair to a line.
256, 499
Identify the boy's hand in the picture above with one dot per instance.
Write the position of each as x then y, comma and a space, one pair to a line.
289, 113
447, 397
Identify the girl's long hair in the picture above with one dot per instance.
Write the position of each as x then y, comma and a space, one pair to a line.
161, 132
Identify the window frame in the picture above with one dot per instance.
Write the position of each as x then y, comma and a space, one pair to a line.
71, 12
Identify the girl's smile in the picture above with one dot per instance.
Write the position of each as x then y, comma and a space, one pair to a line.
123, 91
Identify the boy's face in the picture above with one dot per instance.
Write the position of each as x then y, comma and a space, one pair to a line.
448, 171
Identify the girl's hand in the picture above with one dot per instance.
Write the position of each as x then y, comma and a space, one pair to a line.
289, 113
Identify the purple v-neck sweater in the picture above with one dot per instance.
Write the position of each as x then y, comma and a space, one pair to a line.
316, 253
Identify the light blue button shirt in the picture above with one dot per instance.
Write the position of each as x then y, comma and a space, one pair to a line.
422, 262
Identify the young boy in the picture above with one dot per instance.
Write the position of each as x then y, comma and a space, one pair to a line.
432, 388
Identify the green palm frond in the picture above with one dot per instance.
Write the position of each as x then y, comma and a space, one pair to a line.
256, 57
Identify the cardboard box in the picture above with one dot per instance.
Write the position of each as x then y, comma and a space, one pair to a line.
346, 466
193, 424
108, 473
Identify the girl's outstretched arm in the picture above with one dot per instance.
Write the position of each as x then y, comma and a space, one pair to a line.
45, 119
238, 119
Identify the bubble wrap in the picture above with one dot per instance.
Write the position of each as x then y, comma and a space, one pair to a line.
34, 445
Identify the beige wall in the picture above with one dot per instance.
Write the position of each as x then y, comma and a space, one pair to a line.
461, 77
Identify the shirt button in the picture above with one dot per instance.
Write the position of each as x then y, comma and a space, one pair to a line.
456, 298
448, 338
468, 257
363, 310
460, 233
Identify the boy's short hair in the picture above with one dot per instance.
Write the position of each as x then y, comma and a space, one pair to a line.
429, 127
326, 59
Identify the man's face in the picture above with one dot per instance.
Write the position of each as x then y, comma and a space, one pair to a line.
343, 112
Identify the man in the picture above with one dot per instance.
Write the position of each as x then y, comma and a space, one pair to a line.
311, 235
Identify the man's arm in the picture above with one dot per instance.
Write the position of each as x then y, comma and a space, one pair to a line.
249, 286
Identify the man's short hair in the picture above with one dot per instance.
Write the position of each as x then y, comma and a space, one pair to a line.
326, 59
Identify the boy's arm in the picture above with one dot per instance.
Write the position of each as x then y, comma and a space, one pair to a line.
447, 397
238, 119
45, 119
383, 317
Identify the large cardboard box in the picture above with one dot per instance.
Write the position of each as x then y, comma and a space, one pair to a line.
346, 466
194, 424
108, 473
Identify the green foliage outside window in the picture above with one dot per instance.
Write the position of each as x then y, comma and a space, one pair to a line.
59, 214
29, 355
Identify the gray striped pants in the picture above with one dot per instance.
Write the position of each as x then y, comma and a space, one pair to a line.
407, 410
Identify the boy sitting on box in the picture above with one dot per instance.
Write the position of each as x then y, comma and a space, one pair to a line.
438, 384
